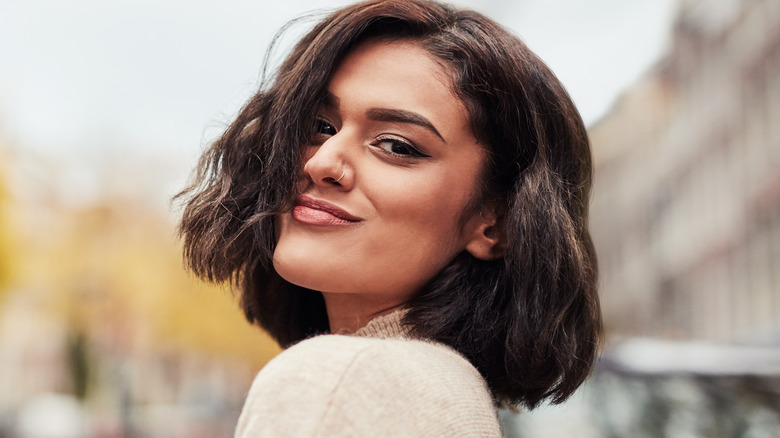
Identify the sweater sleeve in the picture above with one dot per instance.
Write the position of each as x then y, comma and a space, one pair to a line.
338, 386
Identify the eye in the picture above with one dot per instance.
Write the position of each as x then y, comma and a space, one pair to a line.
397, 148
324, 127
321, 130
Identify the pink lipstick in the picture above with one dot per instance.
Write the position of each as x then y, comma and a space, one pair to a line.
312, 211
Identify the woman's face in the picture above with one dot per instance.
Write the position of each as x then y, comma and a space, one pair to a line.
386, 181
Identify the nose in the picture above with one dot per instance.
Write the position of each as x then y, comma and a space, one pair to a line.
330, 164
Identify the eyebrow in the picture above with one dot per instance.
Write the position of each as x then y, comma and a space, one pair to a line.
402, 116
390, 115
331, 101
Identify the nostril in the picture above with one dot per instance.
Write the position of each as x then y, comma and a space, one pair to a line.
330, 179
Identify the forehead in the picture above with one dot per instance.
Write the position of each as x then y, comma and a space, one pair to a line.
402, 61
396, 74
415, 54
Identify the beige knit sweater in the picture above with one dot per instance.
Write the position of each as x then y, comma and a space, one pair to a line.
377, 383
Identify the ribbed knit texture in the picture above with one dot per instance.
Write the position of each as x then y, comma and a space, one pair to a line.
385, 326
376, 383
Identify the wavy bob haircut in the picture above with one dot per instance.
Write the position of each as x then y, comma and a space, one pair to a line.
529, 321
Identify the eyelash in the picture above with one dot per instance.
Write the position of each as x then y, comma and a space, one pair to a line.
321, 125
413, 152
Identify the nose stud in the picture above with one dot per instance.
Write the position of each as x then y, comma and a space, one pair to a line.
342, 175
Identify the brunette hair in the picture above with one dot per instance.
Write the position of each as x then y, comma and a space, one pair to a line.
530, 321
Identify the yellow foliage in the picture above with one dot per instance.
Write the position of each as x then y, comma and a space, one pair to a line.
6, 246
118, 274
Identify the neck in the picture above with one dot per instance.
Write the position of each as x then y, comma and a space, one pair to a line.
348, 313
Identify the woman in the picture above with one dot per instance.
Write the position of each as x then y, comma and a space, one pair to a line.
416, 179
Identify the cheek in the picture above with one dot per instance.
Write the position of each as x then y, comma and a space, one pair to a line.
421, 220
440, 198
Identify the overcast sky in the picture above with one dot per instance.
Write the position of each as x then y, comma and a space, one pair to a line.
86, 80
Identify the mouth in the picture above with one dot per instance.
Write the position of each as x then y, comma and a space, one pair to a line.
316, 212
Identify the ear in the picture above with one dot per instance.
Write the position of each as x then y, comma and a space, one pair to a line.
488, 239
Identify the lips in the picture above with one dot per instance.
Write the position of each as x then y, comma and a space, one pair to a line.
316, 212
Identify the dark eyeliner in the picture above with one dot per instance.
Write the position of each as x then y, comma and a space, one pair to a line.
413, 151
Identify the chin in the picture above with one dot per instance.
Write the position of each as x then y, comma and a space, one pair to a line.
310, 273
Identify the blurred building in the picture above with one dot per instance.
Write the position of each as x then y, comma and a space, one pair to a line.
686, 222
686, 210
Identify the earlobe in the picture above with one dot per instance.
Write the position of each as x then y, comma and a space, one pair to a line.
489, 240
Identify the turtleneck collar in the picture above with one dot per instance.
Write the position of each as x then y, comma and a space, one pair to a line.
385, 326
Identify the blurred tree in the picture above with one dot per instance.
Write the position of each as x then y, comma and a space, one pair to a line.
133, 321
78, 364
6, 249
121, 271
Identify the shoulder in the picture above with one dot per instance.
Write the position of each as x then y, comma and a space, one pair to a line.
395, 355
345, 383
366, 358
380, 366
